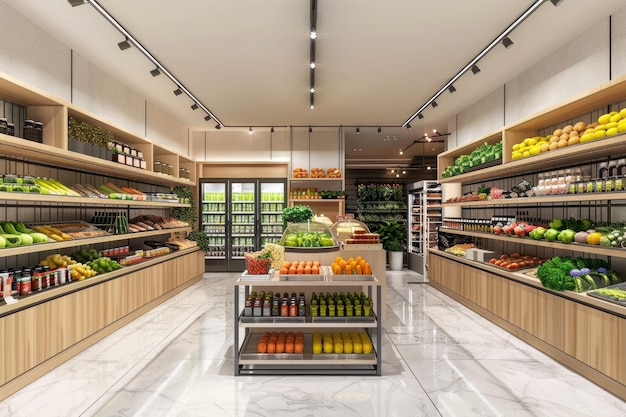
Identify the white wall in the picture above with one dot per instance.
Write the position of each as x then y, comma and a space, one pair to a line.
238, 145
593, 58
34, 57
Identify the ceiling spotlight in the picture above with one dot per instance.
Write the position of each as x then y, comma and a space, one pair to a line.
310, 129
250, 130
125, 44
451, 89
218, 127
403, 171
207, 118
379, 129
507, 42
434, 104
556, 2
312, 64
475, 69
358, 130
397, 175
178, 92
393, 171
272, 130
313, 34
420, 116
401, 152
155, 72
408, 125
75, 3
312, 89
428, 167
312, 106
194, 106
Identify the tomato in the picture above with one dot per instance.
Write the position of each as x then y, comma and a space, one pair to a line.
504, 257
521, 264
513, 265
498, 262
505, 264
492, 260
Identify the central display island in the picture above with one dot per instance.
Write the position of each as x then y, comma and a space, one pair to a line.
252, 323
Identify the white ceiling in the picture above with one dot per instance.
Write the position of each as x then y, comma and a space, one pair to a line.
378, 61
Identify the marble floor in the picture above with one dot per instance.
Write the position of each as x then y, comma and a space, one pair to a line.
439, 359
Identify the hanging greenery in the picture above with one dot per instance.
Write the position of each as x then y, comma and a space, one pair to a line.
185, 214
84, 132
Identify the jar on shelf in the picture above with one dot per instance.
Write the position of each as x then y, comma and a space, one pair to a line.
28, 131
39, 132
3, 125
10, 129
170, 169
156, 167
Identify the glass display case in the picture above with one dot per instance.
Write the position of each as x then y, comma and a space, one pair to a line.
344, 229
307, 235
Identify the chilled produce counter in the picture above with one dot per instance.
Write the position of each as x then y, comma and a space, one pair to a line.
582, 332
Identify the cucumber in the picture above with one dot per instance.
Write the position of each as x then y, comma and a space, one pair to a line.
38, 237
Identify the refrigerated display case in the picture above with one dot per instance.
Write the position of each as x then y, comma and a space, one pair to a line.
239, 216
424, 201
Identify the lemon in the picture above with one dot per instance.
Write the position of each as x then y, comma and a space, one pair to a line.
531, 142
599, 134
615, 118
535, 150
526, 153
621, 127
612, 131
317, 347
622, 113
610, 125
600, 127
516, 146
516, 155
605, 118
587, 137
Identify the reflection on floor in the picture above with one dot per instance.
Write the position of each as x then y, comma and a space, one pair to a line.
439, 359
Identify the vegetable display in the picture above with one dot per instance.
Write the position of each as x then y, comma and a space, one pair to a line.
576, 274
307, 239
481, 155
297, 214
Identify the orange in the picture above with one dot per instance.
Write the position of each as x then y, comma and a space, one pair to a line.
308, 269
283, 271
315, 270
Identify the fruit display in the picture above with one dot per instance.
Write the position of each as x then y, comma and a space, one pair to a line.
103, 265
300, 267
608, 124
318, 173
460, 249
307, 239
84, 255
258, 263
516, 261
342, 343
576, 274
483, 154
352, 266
70, 230
281, 342
17, 234
56, 260
80, 272
340, 305
300, 173
614, 294
333, 173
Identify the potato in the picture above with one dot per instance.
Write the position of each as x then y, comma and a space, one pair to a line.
580, 126
568, 129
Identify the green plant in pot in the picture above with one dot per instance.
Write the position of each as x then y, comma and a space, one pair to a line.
393, 237
297, 214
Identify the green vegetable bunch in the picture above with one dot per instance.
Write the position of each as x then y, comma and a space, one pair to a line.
297, 214
576, 274
481, 155
200, 238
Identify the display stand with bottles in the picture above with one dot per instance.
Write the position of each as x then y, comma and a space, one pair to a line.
249, 362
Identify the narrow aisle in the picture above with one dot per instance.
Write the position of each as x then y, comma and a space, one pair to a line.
439, 359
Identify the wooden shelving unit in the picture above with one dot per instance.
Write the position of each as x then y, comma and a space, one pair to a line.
563, 325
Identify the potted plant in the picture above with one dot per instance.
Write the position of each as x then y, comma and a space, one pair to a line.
296, 214
393, 237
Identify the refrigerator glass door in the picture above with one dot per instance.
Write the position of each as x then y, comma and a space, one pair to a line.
242, 218
272, 204
214, 218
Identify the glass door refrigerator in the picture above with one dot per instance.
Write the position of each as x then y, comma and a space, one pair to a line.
239, 216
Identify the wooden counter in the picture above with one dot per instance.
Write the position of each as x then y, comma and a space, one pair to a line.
586, 334
44, 330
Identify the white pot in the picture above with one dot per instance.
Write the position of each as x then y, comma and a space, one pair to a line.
396, 260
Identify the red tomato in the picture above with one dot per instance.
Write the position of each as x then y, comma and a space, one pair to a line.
513, 265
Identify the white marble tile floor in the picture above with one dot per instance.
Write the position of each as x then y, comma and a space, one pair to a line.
439, 360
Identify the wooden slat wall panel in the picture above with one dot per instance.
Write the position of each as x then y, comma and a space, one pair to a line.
595, 339
32, 336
